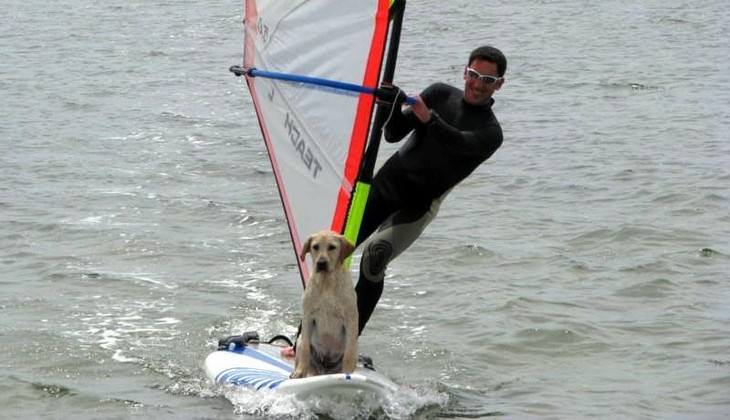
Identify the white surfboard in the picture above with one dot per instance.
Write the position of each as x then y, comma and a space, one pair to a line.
261, 367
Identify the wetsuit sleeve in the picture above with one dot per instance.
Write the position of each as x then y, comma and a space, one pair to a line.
484, 141
402, 122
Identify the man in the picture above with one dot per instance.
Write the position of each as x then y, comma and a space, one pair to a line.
453, 132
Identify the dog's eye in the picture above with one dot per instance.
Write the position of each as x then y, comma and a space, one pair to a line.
315, 247
331, 247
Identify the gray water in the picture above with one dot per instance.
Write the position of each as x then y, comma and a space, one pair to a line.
581, 273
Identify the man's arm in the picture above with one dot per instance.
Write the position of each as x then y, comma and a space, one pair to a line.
401, 122
405, 119
483, 141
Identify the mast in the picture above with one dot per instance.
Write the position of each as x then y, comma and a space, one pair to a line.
362, 187
381, 114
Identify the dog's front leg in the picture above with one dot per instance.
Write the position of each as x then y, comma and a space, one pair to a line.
301, 358
349, 359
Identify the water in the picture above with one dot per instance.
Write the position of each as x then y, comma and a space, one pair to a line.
582, 272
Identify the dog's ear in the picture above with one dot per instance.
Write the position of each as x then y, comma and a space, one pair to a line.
305, 248
346, 248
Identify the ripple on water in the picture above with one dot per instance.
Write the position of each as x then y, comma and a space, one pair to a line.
53, 390
653, 289
124, 327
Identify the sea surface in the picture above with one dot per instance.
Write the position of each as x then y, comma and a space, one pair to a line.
582, 272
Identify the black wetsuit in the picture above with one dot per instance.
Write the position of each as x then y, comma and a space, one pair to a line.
408, 188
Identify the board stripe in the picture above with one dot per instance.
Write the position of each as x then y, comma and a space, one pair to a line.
252, 378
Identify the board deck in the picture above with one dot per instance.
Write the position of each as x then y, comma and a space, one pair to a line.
261, 367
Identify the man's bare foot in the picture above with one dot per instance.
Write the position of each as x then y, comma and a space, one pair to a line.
288, 352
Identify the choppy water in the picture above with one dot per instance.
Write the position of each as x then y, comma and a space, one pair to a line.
582, 272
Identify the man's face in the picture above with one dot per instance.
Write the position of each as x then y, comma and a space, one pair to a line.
477, 92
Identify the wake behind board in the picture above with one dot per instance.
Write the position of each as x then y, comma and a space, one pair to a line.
260, 367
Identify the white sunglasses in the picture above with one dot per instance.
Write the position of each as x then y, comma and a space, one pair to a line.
485, 78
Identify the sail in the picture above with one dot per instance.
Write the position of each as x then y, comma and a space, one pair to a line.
315, 136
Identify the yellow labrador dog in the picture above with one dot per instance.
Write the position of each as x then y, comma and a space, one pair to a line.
328, 339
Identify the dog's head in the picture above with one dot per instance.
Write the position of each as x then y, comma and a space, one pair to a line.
329, 250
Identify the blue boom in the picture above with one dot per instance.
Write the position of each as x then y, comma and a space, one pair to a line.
380, 93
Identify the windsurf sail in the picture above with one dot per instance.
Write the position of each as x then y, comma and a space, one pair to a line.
316, 132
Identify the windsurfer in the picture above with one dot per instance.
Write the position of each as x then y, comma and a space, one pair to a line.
452, 133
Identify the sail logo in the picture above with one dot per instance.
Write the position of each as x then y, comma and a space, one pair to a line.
301, 146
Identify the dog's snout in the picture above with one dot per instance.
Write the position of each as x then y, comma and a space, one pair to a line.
322, 265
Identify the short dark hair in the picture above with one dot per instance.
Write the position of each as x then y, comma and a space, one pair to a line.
491, 54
